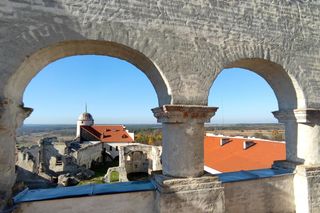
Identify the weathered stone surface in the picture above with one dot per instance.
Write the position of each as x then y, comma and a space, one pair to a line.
132, 202
289, 119
306, 185
121, 171
308, 116
67, 180
275, 194
198, 39
181, 46
183, 113
182, 141
203, 194
302, 128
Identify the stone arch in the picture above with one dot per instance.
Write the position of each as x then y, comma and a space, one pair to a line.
33, 54
267, 60
286, 88
34, 63
288, 92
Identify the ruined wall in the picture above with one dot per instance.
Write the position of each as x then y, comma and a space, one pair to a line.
28, 158
136, 161
156, 159
115, 148
50, 149
121, 171
273, 194
141, 158
87, 154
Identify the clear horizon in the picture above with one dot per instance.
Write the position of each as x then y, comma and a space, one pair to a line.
116, 92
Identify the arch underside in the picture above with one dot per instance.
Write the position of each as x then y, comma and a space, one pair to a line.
37, 61
285, 87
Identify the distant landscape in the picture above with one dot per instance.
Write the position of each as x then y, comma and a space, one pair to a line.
271, 131
30, 134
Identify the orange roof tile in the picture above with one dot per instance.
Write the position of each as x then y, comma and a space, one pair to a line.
232, 157
109, 133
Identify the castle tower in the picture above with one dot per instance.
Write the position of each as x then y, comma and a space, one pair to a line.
85, 119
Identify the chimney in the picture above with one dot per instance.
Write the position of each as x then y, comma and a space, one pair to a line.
248, 144
224, 141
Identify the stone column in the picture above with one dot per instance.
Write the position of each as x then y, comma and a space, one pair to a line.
179, 188
307, 151
308, 135
183, 135
302, 128
11, 117
287, 117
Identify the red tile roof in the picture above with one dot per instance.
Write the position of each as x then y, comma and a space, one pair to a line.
109, 133
233, 157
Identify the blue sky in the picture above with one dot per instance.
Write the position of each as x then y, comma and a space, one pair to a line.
117, 92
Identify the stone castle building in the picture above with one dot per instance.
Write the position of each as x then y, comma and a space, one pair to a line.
117, 144
110, 136
181, 46
40, 166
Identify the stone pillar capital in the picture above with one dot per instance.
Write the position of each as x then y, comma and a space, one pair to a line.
284, 116
307, 116
12, 115
183, 113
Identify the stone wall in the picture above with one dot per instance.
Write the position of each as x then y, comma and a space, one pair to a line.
85, 155
141, 158
198, 39
136, 158
50, 150
134, 202
307, 186
181, 46
261, 195
28, 158
275, 194
120, 170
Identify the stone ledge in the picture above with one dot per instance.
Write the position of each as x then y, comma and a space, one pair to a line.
183, 113
308, 171
284, 115
165, 184
307, 115
284, 164
199, 194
